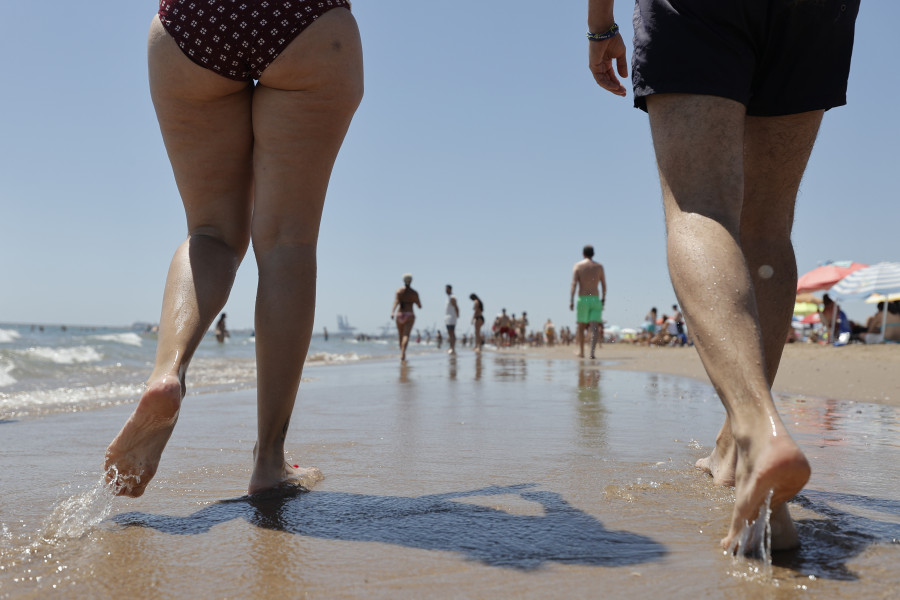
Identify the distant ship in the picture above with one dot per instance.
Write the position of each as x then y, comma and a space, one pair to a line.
344, 324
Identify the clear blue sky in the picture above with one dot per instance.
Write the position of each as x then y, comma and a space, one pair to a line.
483, 155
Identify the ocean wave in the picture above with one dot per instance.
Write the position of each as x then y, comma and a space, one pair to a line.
68, 399
130, 338
328, 357
5, 377
65, 356
8, 335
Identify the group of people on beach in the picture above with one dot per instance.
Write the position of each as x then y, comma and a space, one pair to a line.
735, 93
403, 314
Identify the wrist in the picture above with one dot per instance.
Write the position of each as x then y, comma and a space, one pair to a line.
600, 35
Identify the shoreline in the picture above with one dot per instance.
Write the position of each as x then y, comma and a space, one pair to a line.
856, 372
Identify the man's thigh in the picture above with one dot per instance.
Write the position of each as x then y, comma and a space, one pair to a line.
698, 140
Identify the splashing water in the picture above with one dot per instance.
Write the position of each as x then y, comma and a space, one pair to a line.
754, 542
74, 517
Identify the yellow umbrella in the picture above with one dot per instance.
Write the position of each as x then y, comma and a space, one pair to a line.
805, 308
876, 298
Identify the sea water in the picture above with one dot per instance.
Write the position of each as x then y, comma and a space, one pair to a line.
50, 369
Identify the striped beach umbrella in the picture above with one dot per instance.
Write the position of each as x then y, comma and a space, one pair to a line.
882, 278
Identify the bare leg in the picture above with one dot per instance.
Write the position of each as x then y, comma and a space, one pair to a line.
302, 109
403, 332
699, 147
580, 330
776, 151
595, 337
205, 123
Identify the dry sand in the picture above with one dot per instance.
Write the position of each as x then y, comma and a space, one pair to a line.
856, 372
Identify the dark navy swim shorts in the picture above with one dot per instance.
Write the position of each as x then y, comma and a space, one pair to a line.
776, 57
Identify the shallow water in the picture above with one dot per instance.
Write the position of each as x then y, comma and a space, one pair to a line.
466, 477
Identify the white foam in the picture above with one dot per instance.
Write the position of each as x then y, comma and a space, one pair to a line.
328, 357
8, 335
129, 338
65, 356
5, 377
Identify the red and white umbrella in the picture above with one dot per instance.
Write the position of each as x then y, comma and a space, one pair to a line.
825, 276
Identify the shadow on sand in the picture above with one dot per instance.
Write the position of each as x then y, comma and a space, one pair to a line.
494, 537
828, 543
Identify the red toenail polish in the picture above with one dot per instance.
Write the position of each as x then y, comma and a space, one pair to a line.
296, 466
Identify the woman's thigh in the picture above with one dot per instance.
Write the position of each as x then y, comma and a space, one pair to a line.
302, 109
205, 120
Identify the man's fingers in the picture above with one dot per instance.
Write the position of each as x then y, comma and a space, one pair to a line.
622, 67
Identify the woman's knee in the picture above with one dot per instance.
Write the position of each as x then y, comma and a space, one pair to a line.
234, 238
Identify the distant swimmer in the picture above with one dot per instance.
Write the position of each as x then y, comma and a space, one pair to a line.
222, 331
587, 278
402, 312
450, 318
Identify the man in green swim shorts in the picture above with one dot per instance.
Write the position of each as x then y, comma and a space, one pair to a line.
588, 279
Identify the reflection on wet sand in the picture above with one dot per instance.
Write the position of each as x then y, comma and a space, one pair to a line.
494, 537
490, 476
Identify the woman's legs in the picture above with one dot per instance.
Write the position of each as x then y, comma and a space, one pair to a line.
302, 109
206, 126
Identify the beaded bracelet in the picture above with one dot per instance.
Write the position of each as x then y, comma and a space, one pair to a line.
599, 37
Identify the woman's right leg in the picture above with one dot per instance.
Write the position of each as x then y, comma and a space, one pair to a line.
206, 126
302, 109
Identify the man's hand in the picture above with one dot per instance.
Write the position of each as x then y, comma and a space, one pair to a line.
601, 56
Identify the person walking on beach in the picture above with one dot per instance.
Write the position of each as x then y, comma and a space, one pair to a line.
251, 161
402, 312
477, 319
735, 93
587, 279
451, 316
221, 330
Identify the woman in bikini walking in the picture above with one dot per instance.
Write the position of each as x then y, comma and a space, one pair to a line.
402, 312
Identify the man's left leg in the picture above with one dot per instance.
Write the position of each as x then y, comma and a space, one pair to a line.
776, 150
699, 148
451, 338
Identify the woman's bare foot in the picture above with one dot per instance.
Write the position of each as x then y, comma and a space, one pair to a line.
771, 463
268, 475
133, 456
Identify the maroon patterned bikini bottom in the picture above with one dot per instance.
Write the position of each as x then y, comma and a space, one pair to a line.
239, 38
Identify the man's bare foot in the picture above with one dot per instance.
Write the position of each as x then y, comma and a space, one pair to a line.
133, 456
271, 474
722, 462
774, 463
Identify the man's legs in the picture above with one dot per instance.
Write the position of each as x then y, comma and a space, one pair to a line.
699, 143
451, 338
580, 330
776, 150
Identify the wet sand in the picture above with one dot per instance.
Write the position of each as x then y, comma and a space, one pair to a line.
508, 476
855, 372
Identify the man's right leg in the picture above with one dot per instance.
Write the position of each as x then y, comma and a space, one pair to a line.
699, 148
205, 122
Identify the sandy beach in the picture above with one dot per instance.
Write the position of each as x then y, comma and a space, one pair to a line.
513, 475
